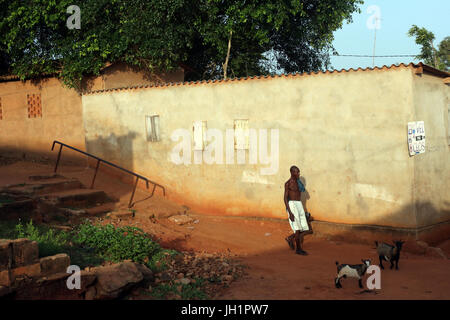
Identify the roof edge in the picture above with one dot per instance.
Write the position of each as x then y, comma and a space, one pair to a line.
411, 65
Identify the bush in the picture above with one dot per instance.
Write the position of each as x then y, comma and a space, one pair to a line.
160, 260
117, 244
90, 245
50, 242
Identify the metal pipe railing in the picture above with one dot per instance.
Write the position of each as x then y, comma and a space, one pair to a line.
130, 204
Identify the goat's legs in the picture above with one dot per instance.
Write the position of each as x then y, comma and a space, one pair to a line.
381, 262
360, 283
337, 282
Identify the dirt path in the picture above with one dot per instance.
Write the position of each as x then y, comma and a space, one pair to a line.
275, 272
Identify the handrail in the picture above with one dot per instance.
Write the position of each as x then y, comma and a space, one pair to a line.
111, 164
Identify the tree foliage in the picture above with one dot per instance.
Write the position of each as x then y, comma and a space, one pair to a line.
159, 35
438, 58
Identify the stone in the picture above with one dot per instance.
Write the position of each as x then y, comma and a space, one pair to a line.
185, 281
31, 270
165, 276
54, 264
227, 278
87, 278
5, 254
25, 252
4, 291
5, 278
121, 214
267, 234
115, 280
146, 273
181, 219
90, 293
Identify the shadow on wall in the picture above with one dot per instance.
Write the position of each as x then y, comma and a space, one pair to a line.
115, 149
435, 231
68, 157
433, 225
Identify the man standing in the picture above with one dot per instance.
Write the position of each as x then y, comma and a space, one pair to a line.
293, 189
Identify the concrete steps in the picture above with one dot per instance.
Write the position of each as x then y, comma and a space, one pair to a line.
45, 187
77, 198
49, 196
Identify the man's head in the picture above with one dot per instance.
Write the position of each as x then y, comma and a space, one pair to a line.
295, 172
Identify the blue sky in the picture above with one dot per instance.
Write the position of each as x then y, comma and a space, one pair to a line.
397, 16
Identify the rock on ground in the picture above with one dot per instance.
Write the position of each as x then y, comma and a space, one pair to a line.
181, 219
115, 280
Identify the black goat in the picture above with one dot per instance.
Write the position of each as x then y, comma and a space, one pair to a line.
389, 253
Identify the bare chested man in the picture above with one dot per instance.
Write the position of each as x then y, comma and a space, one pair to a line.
297, 218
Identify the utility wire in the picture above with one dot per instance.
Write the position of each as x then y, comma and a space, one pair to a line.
371, 56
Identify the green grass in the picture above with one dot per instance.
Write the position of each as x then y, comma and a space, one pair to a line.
160, 260
117, 244
91, 245
191, 291
50, 241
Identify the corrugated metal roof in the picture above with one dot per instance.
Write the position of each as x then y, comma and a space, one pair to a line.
428, 69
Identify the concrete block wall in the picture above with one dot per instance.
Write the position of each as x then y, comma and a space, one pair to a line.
20, 259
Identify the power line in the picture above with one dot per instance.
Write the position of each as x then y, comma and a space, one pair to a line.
371, 56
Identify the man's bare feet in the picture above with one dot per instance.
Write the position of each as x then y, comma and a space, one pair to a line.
290, 242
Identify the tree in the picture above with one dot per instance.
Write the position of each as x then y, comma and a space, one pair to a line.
437, 58
213, 37
443, 55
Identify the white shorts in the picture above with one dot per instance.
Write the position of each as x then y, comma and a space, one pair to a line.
300, 223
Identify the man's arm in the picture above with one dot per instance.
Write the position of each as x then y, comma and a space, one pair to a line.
286, 201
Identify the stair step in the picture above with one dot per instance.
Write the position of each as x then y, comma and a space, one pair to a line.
18, 205
44, 187
103, 208
45, 177
78, 198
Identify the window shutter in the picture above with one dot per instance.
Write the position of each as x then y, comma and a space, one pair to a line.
199, 131
241, 134
152, 125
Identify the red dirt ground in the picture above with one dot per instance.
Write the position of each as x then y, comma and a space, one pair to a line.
275, 272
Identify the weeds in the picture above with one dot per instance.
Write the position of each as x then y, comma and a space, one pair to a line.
91, 245
191, 291
117, 244
50, 241
160, 260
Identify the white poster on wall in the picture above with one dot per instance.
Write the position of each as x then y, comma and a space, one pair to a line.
416, 137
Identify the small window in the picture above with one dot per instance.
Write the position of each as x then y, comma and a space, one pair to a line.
34, 105
199, 131
241, 134
152, 125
